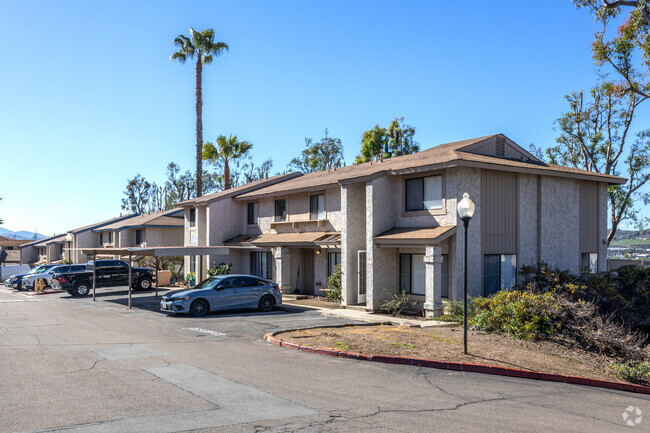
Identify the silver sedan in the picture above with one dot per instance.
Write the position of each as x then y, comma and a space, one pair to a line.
223, 292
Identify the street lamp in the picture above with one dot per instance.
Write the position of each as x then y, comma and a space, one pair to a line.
465, 212
68, 239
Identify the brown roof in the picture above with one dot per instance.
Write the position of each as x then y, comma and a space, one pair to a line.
419, 236
443, 155
47, 241
103, 223
5, 241
164, 218
295, 239
238, 190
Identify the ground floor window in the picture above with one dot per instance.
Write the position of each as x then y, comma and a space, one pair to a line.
499, 272
412, 274
589, 262
333, 260
261, 264
192, 263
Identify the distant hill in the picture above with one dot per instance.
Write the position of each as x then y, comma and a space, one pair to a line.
23, 235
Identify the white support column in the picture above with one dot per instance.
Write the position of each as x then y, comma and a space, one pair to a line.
283, 269
433, 275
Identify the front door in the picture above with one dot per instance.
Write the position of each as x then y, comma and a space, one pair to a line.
361, 277
308, 271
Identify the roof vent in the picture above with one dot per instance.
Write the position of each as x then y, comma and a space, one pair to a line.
501, 146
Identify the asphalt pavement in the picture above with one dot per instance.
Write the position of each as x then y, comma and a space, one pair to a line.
74, 364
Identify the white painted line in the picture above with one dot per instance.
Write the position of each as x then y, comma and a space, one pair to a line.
206, 331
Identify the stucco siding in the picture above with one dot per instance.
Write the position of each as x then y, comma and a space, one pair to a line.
560, 223
528, 221
353, 238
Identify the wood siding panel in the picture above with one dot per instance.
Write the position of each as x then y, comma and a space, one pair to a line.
298, 207
499, 207
588, 216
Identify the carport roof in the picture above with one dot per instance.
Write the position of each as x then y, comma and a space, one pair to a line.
162, 251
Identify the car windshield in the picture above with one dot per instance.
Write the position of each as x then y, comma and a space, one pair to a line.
210, 283
39, 270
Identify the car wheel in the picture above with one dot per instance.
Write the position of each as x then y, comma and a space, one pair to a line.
145, 284
81, 289
20, 286
199, 308
266, 303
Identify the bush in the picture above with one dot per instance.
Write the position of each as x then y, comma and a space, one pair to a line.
524, 315
632, 371
222, 269
398, 303
454, 311
334, 284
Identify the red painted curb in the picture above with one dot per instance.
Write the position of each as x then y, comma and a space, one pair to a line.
470, 368
43, 293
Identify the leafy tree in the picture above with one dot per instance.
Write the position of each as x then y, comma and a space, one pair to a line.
158, 198
252, 173
627, 49
325, 154
594, 136
182, 186
379, 143
204, 48
227, 150
137, 195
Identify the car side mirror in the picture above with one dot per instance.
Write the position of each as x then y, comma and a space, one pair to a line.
219, 287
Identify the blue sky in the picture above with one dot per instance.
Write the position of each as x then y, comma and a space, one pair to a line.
90, 98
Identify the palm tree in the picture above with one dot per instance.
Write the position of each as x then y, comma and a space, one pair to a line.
204, 48
227, 149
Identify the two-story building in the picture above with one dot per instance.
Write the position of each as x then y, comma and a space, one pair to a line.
393, 225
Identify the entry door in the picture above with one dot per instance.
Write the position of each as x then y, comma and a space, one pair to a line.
308, 273
361, 277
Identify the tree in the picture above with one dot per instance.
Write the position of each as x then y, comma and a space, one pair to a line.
325, 154
137, 195
204, 48
627, 50
181, 187
594, 136
227, 150
252, 173
158, 198
379, 143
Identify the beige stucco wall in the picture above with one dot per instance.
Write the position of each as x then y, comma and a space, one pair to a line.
528, 220
353, 238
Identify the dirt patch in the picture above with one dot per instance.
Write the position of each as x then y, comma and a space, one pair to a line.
446, 344
319, 301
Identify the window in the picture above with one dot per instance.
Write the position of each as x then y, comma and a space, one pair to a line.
261, 264
192, 263
192, 217
411, 274
252, 213
138, 237
333, 259
499, 272
424, 193
280, 210
109, 235
317, 207
101, 239
589, 262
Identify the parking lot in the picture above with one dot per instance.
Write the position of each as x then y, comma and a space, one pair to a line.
72, 364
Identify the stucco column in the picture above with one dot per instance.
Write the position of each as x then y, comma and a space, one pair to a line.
433, 277
283, 269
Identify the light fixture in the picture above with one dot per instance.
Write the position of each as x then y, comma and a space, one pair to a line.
465, 212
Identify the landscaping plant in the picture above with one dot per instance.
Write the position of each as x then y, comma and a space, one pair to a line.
333, 292
398, 303
222, 269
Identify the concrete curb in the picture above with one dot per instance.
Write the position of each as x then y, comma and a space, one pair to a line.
459, 366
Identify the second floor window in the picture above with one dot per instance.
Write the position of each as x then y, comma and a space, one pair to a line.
101, 239
138, 237
192, 217
317, 207
252, 213
109, 235
280, 210
424, 193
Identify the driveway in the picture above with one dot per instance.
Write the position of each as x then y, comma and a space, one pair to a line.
77, 365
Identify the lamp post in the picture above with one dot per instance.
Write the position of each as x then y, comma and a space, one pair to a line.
68, 239
465, 212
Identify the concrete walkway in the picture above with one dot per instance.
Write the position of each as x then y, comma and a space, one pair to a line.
363, 316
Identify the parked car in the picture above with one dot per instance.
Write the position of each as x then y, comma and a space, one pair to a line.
29, 280
223, 292
15, 281
108, 273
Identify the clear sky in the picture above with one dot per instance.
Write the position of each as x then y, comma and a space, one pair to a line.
89, 98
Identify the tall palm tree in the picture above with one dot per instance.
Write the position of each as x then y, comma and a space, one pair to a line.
204, 48
227, 149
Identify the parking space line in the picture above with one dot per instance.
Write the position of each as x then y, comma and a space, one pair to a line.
206, 331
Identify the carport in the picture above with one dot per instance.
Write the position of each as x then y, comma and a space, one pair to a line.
156, 252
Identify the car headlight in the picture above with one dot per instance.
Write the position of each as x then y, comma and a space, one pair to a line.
184, 298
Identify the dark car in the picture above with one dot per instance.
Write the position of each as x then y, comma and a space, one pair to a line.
108, 273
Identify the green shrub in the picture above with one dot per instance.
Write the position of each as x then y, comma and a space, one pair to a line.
333, 292
398, 303
632, 371
454, 311
222, 269
524, 315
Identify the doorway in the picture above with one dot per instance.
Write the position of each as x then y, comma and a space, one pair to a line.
308, 272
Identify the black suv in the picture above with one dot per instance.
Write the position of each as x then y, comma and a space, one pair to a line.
108, 273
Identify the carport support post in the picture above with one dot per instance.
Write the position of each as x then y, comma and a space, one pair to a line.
157, 266
130, 266
94, 263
